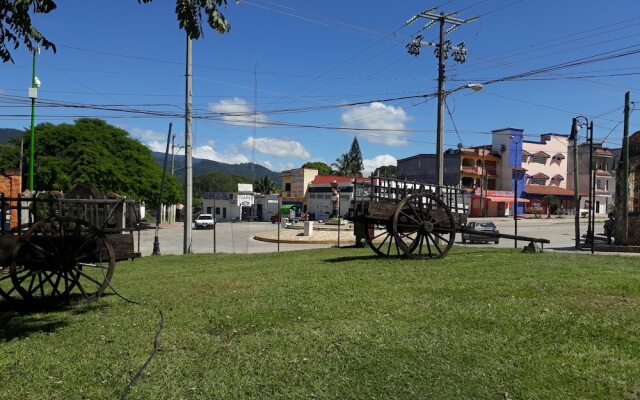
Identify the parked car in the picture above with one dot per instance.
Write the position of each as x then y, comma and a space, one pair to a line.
480, 227
275, 218
204, 221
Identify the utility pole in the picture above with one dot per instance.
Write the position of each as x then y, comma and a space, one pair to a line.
33, 94
623, 213
173, 154
576, 195
188, 186
442, 52
156, 241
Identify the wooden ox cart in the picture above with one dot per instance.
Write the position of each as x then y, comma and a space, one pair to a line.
51, 248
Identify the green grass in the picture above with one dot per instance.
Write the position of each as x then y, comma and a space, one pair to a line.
341, 324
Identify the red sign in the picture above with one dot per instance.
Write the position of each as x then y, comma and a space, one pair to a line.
493, 193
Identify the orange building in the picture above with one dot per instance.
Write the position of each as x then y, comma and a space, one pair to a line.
11, 186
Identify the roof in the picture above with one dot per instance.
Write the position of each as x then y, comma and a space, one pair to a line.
559, 156
524, 152
320, 179
603, 152
542, 154
544, 190
558, 177
601, 172
540, 175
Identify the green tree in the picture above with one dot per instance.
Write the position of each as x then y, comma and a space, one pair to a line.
16, 26
264, 185
356, 165
387, 171
323, 169
216, 182
341, 166
93, 152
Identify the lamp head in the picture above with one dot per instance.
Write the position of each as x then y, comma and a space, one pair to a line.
37, 82
476, 87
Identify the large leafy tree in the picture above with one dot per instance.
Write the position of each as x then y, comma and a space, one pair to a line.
17, 28
387, 171
93, 152
323, 169
216, 182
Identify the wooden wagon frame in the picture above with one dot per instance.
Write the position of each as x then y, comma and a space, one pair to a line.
406, 218
53, 247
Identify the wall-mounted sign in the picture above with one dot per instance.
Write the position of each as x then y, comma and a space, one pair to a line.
245, 200
245, 187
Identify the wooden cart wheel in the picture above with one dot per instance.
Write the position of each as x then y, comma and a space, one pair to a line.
60, 255
7, 290
424, 226
381, 240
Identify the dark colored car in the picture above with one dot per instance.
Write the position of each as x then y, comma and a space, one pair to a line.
480, 227
275, 218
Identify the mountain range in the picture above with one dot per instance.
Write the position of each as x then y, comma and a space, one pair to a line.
8, 133
202, 166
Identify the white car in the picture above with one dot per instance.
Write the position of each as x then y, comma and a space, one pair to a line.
204, 221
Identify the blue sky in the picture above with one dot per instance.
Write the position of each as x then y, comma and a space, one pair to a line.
297, 60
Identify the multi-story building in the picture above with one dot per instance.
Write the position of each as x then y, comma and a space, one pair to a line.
603, 166
470, 168
294, 185
320, 191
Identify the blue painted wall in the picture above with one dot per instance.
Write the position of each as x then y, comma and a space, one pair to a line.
515, 161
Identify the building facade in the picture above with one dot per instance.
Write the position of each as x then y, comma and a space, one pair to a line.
604, 166
294, 185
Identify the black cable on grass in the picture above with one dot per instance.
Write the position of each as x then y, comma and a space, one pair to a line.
156, 346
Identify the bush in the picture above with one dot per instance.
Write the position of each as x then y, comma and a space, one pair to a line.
533, 211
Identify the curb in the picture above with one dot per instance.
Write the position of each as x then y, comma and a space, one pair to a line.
285, 241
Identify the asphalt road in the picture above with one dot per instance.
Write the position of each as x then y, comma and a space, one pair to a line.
238, 237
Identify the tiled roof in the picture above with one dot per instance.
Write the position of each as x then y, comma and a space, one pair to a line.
542, 154
540, 175
553, 190
601, 172
559, 156
603, 152
319, 179
558, 177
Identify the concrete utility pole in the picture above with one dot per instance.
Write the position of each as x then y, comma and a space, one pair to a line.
623, 213
442, 52
188, 186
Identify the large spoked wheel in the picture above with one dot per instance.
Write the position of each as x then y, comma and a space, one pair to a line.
381, 240
424, 226
7, 290
59, 256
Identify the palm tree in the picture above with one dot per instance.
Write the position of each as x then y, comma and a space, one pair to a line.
342, 165
265, 185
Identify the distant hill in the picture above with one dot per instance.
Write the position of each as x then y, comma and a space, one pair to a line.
8, 133
202, 167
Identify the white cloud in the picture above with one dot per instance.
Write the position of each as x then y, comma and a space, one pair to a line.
278, 167
206, 152
371, 164
238, 111
378, 115
277, 147
147, 134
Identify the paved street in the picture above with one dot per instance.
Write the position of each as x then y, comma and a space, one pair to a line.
238, 237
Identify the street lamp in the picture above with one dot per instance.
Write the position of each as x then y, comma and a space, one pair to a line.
33, 95
516, 170
578, 123
442, 94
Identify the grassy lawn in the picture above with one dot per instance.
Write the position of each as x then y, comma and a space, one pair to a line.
341, 324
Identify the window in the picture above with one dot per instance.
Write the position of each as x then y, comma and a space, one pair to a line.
217, 210
539, 159
538, 181
208, 210
287, 187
